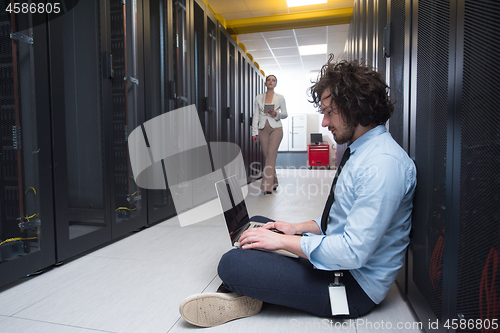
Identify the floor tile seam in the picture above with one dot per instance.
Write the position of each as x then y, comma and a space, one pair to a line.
14, 315
174, 324
208, 285
65, 325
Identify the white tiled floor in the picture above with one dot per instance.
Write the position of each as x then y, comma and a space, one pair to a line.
136, 284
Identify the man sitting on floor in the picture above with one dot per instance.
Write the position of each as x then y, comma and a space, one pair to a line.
363, 232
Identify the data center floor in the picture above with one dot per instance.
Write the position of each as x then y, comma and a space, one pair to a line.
136, 284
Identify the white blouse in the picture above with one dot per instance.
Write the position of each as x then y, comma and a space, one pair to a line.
260, 115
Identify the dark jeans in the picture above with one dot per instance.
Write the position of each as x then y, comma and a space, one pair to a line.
290, 282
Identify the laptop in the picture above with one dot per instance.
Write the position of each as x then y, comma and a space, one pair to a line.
235, 212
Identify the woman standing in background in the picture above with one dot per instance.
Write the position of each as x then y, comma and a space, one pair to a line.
269, 109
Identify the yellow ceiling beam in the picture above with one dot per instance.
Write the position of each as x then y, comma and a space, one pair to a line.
309, 19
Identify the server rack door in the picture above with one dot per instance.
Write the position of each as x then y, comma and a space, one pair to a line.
159, 96
180, 59
248, 118
245, 135
201, 163
369, 40
199, 61
232, 128
181, 91
430, 150
211, 117
224, 111
399, 83
224, 84
239, 104
82, 217
26, 218
477, 287
398, 63
262, 161
255, 147
129, 205
380, 14
257, 164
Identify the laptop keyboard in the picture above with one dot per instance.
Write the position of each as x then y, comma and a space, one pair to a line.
259, 226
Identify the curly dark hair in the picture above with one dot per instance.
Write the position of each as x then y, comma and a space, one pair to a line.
359, 92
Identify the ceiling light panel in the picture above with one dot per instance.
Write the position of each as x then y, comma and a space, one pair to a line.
312, 49
311, 40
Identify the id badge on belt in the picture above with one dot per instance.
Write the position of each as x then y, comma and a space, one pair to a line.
338, 296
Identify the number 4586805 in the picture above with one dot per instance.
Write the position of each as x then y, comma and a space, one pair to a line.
34, 8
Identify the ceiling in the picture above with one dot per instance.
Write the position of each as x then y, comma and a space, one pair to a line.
276, 47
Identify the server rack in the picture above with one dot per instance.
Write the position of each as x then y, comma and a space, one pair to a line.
158, 86
126, 88
442, 73
26, 216
96, 72
81, 189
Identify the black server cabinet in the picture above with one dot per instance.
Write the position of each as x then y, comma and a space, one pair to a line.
454, 258
81, 194
255, 90
211, 122
233, 101
26, 215
227, 74
477, 286
159, 87
199, 62
125, 93
430, 138
241, 104
259, 162
248, 117
244, 122
97, 100
227, 86
183, 32
398, 79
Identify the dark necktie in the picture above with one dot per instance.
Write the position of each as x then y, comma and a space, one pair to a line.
331, 197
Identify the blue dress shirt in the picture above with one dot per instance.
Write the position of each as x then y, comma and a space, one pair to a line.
370, 219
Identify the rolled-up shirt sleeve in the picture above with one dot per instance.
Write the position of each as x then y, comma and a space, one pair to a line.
365, 204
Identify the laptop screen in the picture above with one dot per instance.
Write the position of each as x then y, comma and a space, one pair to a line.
233, 205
